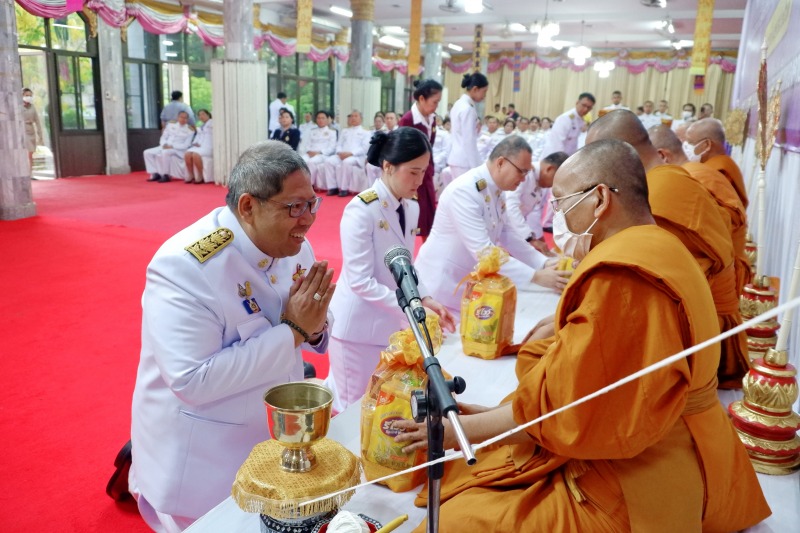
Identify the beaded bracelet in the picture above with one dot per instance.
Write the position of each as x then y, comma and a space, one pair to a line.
295, 327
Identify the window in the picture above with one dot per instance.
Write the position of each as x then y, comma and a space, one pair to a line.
200, 89
141, 95
141, 44
171, 47
68, 34
306, 83
387, 90
30, 29
76, 89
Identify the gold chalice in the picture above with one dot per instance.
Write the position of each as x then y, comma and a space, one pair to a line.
298, 415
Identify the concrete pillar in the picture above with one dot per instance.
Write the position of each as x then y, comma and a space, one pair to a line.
16, 198
115, 129
400, 104
434, 37
480, 107
361, 38
339, 70
239, 31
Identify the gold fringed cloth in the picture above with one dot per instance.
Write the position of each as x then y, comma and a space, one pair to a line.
702, 37
304, 8
414, 37
263, 487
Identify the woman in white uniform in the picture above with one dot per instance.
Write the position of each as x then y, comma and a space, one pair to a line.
202, 146
464, 125
364, 306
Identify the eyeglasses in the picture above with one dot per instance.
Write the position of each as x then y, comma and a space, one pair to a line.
296, 209
522, 172
554, 201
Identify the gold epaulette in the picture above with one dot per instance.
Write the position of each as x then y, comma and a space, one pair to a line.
480, 184
205, 248
368, 196
415, 198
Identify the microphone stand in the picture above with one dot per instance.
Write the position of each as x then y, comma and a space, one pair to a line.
435, 402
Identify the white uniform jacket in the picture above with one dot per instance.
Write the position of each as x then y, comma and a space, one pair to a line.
355, 140
563, 136
204, 138
364, 304
316, 139
212, 344
524, 204
464, 129
178, 136
471, 215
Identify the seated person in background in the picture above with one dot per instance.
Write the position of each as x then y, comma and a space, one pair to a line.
378, 123
350, 156
658, 454
471, 215
318, 144
648, 118
175, 140
202, 146
306, 125
486, 139
286, 132
705, 142
525, 203
228, 304
391, 120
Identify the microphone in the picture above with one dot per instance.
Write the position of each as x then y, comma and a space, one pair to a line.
398, 261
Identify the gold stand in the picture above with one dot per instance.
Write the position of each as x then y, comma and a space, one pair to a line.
764, 419
757, 298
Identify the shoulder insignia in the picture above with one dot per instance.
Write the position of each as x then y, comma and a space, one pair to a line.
368, 196
481, 184
572, 115
205, 248
415, 198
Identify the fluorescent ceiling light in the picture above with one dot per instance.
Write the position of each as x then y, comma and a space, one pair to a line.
342, 11
166, 42
516, 26
395, 29
67, 26
473, 6
455, 47
392, 41
558, 45
171, 54
325, 22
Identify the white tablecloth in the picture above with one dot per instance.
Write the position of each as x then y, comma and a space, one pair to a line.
488, 382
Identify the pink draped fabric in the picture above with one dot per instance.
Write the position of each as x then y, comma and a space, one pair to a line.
113, 17
54, 9
175, 24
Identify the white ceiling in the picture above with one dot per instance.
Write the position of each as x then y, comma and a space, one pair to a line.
604, 24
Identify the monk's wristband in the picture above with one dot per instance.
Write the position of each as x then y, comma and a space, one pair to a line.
295, 327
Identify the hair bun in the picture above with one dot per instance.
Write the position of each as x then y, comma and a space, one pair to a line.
465, 79
416, 83
378, 139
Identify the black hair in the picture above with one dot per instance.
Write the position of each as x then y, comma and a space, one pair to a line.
509, 147
286, 110
26, 90
616, 92
590, 96
177, 95
511, 105
476, 79
397, 147
534, 117
207, 112
426, 88
511, 120
556, 158
445, 121
323, 112
379, 114
281, 95
694, 109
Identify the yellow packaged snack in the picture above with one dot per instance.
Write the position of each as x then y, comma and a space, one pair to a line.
399, 372
488, 307
565, 263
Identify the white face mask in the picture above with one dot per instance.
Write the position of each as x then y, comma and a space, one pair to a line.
571, 244
688, 150
686, 115
27, 99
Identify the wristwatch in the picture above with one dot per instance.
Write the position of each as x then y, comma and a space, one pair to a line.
530, 238
316, 337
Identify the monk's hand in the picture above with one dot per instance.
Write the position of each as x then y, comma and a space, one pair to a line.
446, 319
551, 278
309, 298
542, 248
414, 433
544, 329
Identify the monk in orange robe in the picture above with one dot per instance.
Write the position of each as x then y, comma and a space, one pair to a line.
658, 454
669, 148
707, 139
687, 210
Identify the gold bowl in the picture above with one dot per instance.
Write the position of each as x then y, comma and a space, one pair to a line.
298, 415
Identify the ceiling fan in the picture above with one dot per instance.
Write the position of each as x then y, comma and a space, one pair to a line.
450, 6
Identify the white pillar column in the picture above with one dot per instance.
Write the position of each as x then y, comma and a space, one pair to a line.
115, 129
434, 36
361, 38
16, 198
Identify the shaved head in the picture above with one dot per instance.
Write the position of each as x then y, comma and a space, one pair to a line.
667, 143
680, 131
707, 128
624, 125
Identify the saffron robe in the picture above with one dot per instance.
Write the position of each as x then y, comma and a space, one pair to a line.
726, 197
684, 208
657, 454
728, 168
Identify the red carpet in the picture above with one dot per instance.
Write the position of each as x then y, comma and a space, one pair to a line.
71, 311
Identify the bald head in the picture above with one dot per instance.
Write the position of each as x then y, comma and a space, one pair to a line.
680, 131
621, 196
667, 144
709, 129
623, 125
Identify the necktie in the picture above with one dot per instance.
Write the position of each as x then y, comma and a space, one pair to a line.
402, 215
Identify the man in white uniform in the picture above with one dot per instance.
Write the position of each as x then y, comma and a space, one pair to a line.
275, 112
227, 305
648, 118
318, 144
175, 140
488, 139
306, 125
563, 136
663, 113
350, 156
524, 204
616, 102
471, 215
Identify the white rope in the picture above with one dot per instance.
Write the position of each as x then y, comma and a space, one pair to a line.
636, 375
